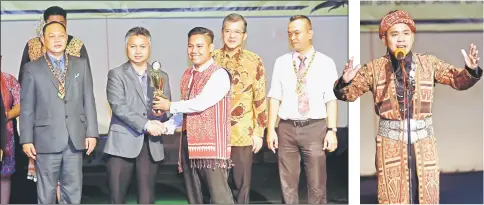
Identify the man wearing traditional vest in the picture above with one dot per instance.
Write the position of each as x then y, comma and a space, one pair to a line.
301, 95
206, 104
384, 77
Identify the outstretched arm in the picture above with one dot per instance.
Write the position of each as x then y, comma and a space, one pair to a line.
458, 78
354, 82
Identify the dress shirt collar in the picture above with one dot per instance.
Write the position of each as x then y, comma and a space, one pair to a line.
308, 54
204, 66
144, 73
53, 59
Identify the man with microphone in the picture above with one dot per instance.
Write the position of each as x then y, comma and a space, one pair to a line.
398, 77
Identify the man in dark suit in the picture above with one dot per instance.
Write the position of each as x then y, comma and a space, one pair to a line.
58, 117
134, 138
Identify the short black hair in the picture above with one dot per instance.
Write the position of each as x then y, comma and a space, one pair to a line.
297, 17
54, 11
50, 23
202, 31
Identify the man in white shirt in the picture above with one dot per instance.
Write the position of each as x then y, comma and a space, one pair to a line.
206, 105
301, 95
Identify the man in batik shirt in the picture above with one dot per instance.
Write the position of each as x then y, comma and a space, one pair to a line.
249, 108
386, 80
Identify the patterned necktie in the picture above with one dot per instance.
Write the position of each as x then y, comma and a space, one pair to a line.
303, 99
59, 75
192, 82
194, 75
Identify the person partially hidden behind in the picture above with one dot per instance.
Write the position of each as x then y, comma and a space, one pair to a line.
10, 90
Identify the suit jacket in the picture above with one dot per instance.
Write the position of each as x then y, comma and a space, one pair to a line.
130, 113
48, 121
3, 125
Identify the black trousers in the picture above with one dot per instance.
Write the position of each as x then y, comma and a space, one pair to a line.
120, 170
200, 182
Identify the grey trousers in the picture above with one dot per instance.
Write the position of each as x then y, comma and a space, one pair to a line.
64, 167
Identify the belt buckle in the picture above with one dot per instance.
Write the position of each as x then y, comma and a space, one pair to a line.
297, 123
304, 123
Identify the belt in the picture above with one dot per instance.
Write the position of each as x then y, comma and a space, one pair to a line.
301, 123
393, 129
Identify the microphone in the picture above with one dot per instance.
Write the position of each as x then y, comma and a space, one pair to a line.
400, 53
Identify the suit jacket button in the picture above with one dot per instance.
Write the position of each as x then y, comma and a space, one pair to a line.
66, 117
144, 114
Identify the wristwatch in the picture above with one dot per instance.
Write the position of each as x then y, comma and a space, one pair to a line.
334, 129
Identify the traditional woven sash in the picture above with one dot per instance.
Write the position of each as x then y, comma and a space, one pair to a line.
208, 132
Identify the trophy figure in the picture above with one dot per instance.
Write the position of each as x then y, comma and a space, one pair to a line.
157, 80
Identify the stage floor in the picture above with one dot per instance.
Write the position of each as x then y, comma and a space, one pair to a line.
170, 190
455, 188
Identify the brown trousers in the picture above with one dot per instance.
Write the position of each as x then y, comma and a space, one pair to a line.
241, 173
306, 142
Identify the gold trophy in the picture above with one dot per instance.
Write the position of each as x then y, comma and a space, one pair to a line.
157, 80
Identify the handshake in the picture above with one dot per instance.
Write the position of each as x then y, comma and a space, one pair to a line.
155, 128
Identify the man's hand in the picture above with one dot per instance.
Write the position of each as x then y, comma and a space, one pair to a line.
161, 104
29, 150
272, 140
90, 144
471, 59
256, 143
156, 128
158, 113
349, 72
330, 141
1, 155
